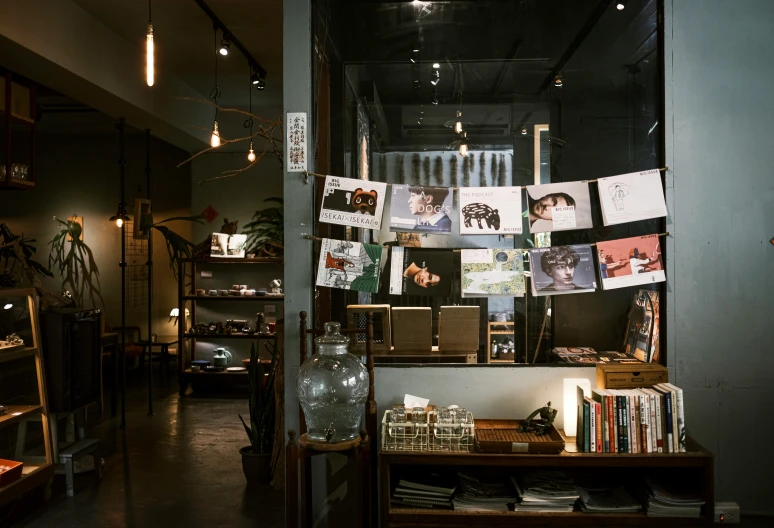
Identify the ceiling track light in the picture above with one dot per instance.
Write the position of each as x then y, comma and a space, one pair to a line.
620, 5
558, 80
225, 46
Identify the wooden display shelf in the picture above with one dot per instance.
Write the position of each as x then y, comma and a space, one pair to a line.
18, 353
188, 372
252, 298
429, 357
502, 332
19, 412
229, 336
32, 477
233, 260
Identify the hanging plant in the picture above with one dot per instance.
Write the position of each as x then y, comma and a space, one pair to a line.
415, 167
493, 169
466, 172
401, 170
426, 170
453, 170
438, 170
75, 262
471, 162
177, 247
266, 232
503, 175
482, 169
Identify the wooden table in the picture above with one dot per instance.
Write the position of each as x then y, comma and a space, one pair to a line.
164, 343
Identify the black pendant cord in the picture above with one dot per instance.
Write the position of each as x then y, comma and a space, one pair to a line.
122, 163
150, 271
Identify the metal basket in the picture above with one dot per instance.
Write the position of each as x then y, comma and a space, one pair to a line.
428, 436
452, 437
404, 436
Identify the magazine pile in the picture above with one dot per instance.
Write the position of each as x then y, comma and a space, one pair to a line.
665, 500
648, 420
480, 495
545, 491
429, 493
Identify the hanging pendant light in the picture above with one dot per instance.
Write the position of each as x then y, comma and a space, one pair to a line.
215, 94
251, 153
458, 123
464, 144
215, 138
120, 217
150, 63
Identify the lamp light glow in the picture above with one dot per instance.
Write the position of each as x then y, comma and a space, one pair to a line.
458, 124
464, 144
436, 65
620, 5
119, 222
215, 139
8, 306
251, 153
225, 46
570, 410
150, 74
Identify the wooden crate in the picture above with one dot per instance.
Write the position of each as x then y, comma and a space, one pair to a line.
412, 330
458, 328
631, 375
503, 436
382, 327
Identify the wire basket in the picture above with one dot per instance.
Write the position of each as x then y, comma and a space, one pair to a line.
456, 437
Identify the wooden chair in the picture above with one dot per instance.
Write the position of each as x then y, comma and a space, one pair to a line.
300, 452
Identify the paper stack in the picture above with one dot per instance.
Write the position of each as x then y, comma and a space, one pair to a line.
607, 500
477, 495
545, 491
668, 501
435, 494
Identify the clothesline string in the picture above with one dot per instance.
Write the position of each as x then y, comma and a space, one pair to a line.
318, 175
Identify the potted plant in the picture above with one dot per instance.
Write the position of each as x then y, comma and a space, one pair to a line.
265, 234
256, 457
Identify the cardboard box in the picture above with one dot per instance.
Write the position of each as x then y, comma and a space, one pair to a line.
630, 376
458, 329
412, 330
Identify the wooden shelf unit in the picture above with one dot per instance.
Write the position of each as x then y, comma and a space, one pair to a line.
17, 129
187, 340
697, 464
34, 474
510, 330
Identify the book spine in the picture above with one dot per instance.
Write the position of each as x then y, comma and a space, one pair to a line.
593, 431
610, 424
600, 428
652, 407
644, 422
668, 406
675, 418
615, 422
681, 441
632, 423
624, 422
586, 426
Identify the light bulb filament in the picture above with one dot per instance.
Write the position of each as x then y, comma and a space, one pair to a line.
215, 139
149, 56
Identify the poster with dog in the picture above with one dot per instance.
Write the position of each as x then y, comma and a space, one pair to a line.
490, 211
350, 202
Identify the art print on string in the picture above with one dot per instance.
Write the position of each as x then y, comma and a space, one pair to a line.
631, 197
351, 202
559, 207
492, 272
490, 211
562, 269
349, 265
630, 262
421, 209
421, 272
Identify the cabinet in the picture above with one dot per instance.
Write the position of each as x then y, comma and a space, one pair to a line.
187, 286
499, 332
23, 393
694, 468
17, 131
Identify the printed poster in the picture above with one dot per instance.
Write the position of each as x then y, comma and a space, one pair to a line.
349, 265
642, 337
426, 272
421, 209
630, 262
295, 150
490, 272
490, 211
631, 197
356, 203
559, 207
562, 269
223, 245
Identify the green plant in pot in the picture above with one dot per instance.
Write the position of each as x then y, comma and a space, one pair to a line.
256, 457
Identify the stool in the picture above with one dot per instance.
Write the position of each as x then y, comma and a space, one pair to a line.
75, 452
300, 455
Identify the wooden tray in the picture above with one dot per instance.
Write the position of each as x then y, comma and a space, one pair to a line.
503, 436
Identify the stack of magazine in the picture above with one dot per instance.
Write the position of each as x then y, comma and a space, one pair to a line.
545, 491
668, 501
607, 500
415, 494
478, 495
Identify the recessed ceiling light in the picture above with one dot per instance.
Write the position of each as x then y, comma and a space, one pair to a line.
620, 5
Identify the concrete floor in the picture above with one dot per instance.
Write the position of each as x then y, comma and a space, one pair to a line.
180, 467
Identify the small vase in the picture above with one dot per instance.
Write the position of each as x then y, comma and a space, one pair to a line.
332, 389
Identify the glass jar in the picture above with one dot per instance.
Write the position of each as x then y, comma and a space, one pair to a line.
332, 389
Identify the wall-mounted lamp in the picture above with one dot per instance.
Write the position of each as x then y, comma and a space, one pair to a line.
175, 314
570, 410
225, 46
120, 217
436, 65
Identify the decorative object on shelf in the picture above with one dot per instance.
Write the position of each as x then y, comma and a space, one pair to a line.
10, 471
221, 357
332, 388
356, 318
458, 328
499, 317
543, 424
212, 292
201, 292
200, 362
412, 329
14, 340
225, 245
266, 232
3, 410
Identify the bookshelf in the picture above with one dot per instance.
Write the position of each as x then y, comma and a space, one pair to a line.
694, 467
188, 340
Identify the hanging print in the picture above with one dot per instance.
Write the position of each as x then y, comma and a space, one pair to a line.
562, 269
421, 272
630, 262
490, 211
421, 209
349, 265
631, 197
351, 202
490, 272
559, 207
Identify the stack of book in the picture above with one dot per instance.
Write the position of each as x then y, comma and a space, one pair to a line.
478, 495
423, 495
544, 491
668, 501
648, 420
607, 500
587, 355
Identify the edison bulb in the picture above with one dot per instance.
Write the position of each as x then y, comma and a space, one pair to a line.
251, 153
149, 59
458, 127
119, 222
464, 149
215, 139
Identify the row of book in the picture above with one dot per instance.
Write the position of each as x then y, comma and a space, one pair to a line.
645, 420
547, 491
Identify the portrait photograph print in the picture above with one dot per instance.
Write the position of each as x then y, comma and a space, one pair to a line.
490, 211
421, 209
424, 272
630, 262
562, 269
631, 197
349, 265
559, 207
350, 202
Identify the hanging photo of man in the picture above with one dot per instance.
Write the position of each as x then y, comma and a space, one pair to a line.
421, 209
562, 269
559, 207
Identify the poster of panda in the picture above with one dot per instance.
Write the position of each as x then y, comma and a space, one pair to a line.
351, 202
490, 211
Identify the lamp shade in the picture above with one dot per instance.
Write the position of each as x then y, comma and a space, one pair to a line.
570, 410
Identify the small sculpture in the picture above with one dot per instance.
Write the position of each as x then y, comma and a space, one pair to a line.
542, 425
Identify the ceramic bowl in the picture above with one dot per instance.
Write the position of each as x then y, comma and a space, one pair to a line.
201, 362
